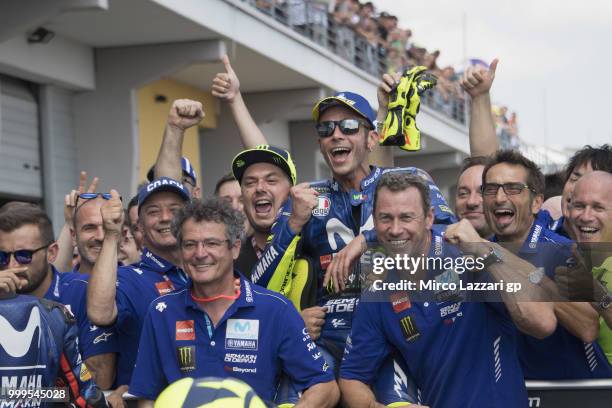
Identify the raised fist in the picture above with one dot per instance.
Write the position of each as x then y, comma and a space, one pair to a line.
185, 113
303, 201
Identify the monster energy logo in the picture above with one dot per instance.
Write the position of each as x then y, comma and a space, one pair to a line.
186, 358
409, 328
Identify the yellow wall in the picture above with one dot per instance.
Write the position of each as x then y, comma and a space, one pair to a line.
152, 121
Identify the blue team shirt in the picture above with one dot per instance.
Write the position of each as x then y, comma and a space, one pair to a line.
555, 226
260, 335
70, 289
459, 353
137, 286
560, 355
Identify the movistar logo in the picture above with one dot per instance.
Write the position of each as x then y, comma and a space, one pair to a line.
242, 326
17, 343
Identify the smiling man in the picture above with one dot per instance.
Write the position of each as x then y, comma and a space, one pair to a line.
222, 325
468, 200
122, 295
512, 189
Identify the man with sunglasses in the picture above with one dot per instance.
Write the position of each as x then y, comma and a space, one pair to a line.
512, 190
121, 296
27, 242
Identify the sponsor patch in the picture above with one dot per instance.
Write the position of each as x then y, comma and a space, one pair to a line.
323, 206
186, 358
163, 288
400, 302
185, 330
242, 334
240, 358
325, 260
161, 306
409, 329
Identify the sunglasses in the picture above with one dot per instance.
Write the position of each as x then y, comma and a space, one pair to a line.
22, 256
347, 126
491, 189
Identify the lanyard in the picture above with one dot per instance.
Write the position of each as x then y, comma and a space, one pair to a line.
209, 326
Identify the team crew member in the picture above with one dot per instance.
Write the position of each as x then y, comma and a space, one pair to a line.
584, 161
122, 295
39, 348
460, 353
26, 241
189, 179
512, 192
590, 217
266, 174
468, 200
222, 325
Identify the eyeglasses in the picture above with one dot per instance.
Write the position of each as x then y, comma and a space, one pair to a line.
208, 244
22, 256
347, 126
491, 189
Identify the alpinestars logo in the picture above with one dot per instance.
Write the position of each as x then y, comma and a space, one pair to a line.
17, 343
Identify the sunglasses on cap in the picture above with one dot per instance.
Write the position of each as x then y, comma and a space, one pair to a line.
22, 256
347, 126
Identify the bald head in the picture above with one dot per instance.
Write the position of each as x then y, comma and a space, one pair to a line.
591, 208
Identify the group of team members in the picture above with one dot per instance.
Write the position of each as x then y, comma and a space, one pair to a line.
274, 300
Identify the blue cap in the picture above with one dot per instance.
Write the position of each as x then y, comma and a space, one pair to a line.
351, 100
188, 170
159, 185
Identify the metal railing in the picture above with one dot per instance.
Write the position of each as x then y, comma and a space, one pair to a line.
311, 19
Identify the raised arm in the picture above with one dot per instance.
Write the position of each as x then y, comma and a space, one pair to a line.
184, 113
101, 290
226, 86
477, 81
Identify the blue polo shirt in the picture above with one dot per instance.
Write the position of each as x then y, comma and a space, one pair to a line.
70, 289
259, 336
459, 353
555, 226
560, 356
137, 286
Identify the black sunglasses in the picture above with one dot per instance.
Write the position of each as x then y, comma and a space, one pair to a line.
22, 256
347, 126
491, 189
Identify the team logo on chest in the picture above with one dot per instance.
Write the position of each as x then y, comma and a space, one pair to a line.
242, 334
163, 288
409, 329
186, 358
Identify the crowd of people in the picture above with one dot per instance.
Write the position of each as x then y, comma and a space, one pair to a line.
268, 281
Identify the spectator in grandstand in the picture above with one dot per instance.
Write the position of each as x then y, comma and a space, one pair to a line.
590, 217
122, 295
584, 161
38, 350
258, 332
513, 189
347, 12
28, 246
403, 219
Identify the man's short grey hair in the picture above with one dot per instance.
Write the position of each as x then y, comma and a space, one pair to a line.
210, 210
397, 181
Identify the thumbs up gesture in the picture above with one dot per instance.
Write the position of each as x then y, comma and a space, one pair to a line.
477, 80
226, 85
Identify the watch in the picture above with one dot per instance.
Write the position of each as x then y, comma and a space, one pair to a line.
605, 301
494, 256
536, 276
